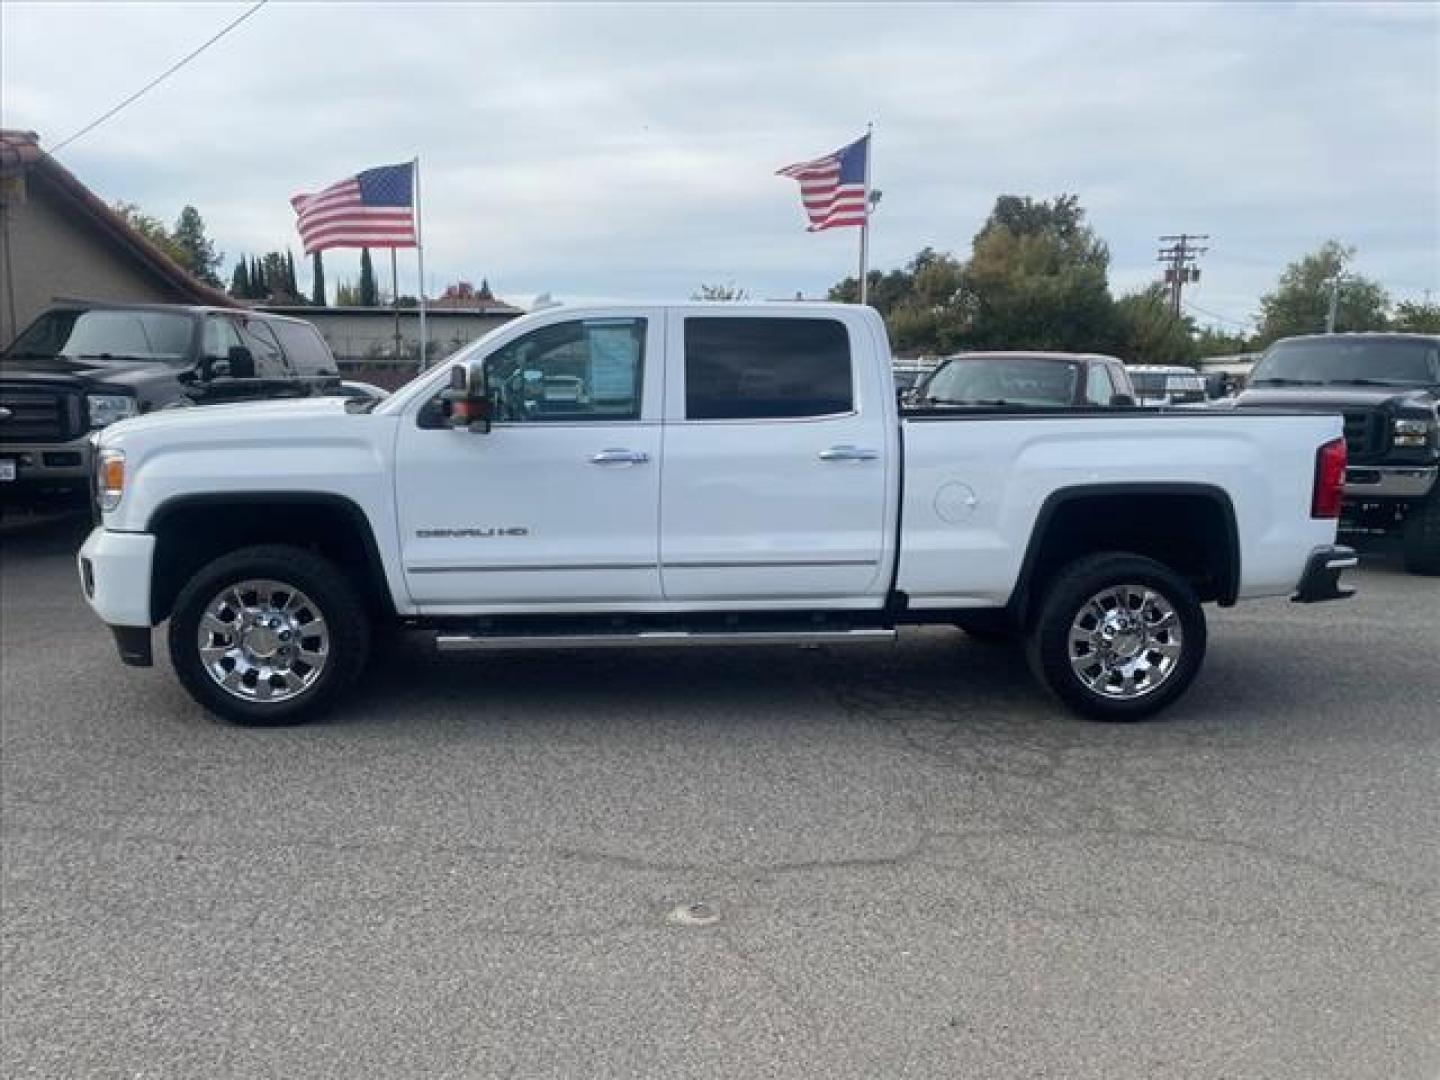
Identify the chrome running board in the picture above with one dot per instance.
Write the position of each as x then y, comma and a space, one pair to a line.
450, 642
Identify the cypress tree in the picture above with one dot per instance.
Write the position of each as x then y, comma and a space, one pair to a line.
258, 291
369, 297
293, 288
317, 281
240, 281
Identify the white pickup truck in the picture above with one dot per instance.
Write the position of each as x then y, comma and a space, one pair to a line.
696, 474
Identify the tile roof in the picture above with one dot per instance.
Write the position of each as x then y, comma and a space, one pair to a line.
20, 153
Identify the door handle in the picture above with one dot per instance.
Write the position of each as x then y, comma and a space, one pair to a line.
619, 457
849, 453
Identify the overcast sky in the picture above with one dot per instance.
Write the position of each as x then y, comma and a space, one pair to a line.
629, 151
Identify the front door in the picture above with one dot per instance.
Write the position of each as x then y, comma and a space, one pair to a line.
559, 504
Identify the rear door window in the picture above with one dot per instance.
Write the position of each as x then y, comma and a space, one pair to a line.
304, 348
759, 368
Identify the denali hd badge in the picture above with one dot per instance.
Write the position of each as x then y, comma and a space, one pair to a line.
471, 534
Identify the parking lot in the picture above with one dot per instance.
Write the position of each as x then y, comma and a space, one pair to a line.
913, 864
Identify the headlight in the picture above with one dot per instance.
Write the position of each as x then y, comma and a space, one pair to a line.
109, 478
1412, 432
105, 409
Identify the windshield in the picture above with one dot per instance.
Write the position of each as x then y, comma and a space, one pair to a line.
1398, 361
1016, 380
109, 334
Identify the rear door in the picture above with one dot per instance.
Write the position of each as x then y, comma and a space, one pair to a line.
777, 459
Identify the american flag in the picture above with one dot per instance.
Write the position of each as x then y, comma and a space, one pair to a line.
833, 187
373, 209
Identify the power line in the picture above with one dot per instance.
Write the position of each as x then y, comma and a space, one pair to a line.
158, 79
1215, 315
1180, 269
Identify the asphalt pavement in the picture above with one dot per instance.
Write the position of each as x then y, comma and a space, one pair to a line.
908, 861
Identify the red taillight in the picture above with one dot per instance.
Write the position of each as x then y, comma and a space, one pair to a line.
1329, 480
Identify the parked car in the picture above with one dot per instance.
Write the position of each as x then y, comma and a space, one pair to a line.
1387, 389
721, 477
1027, 379
80, 367
1167, 384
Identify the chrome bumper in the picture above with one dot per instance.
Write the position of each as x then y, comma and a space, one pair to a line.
1364, 482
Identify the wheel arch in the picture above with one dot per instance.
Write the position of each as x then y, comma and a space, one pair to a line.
191, 530
1190, 527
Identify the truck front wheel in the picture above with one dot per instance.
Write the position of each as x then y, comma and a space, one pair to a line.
1422, 536
271, 634
1119, 637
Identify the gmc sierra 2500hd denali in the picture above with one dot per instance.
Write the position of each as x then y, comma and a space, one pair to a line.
696, 474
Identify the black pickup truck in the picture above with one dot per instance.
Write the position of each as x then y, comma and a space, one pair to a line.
81, 366
1387, 387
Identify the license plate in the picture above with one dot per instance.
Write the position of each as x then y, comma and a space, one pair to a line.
7, 469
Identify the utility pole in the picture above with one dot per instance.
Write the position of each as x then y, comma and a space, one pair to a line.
1179, 260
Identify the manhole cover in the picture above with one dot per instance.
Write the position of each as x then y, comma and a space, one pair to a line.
693, 915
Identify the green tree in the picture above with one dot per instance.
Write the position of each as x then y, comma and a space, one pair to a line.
290, 281
317, 280
1300, 301
369, 294
484, 293
1212, 342
1416, 317
1038, 279
1149, 333
729, 291
347, 294
240, 281
198, 254
153, 229
277, 279
259, 287
924, 302
1060, 220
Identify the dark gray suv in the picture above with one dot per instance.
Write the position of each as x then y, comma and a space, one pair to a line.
81, 366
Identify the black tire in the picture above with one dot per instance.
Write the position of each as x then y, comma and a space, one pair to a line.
1422, 536
989, 627
344, 615
1070, 593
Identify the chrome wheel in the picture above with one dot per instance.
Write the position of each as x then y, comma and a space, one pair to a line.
263, 641
1125, 642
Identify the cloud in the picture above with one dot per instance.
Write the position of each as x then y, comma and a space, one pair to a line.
630, 150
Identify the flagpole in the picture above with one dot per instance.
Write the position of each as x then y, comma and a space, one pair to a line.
420, 260
395, 301
865, 223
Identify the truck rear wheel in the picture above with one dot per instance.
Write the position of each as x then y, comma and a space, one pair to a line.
265, 635
1422, 536
1119, 637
